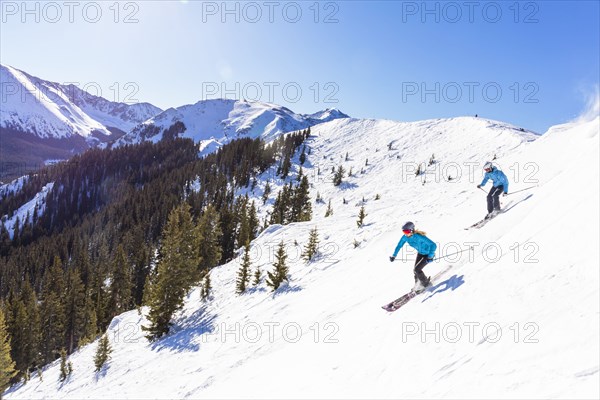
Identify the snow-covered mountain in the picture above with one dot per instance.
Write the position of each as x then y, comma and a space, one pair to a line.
42, 120
517, 316
216, 122
52, 110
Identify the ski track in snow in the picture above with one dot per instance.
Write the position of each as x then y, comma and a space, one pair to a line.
523, 323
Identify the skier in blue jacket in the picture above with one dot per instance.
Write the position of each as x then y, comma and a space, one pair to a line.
426, 251
500, 184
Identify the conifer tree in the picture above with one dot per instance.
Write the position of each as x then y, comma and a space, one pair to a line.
210, 236
244, 272
312, 246
74, 310
206, 288
266, 192
102, 352
90, 322
52, 312
253, 222
64, 365
177, 270
31, 330
361, 216
338, 176
286, 165
257, 276
329, 211
303, 155
120, 287
7, 365
16, 321
302, 207
279, 274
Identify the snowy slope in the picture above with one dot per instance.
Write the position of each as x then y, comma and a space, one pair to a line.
51, 110
26, 211
215, 122
111, 114
43, 110
517, 317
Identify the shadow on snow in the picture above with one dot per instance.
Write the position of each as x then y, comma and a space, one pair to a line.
453, 283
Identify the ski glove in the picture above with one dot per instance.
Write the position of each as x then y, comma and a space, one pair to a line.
429, 260
505, 194
392, 258
478, 186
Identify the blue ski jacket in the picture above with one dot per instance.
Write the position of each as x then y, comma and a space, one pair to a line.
421, 243
498, 178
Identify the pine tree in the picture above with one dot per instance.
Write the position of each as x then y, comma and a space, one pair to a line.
244, 272
361, 216
52, 312
177, 270
279, 274
266, 192
257, 276
74, 310
210, 236
329, 211
312, 246
303, 155
31, 331
338, 176
244, 226
102, 352
7, 365
302, 207
120, 287
206, 288
90, 322
286, 165
253, 222
17, 321
64, 365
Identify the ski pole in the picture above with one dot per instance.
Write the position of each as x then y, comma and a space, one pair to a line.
483, 190
452, 254
530, 187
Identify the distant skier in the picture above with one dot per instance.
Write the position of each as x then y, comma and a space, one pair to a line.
500, 184
426, 249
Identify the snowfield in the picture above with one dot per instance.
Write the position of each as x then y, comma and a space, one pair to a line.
515, 317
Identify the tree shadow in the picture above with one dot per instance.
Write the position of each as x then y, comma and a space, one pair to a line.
286, 288
186, 336
453, 283
347, 185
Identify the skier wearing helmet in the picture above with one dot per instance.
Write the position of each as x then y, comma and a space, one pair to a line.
426, 251
500, 184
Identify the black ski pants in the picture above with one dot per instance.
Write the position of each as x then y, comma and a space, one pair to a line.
420, 263
493, 198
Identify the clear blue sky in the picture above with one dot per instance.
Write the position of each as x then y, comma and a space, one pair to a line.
394, 60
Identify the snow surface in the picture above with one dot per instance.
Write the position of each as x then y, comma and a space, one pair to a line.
25, 212
517, 317
13, 187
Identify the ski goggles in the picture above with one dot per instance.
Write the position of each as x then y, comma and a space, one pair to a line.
407, 231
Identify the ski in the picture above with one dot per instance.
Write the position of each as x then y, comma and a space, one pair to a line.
402, 300
484, 221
